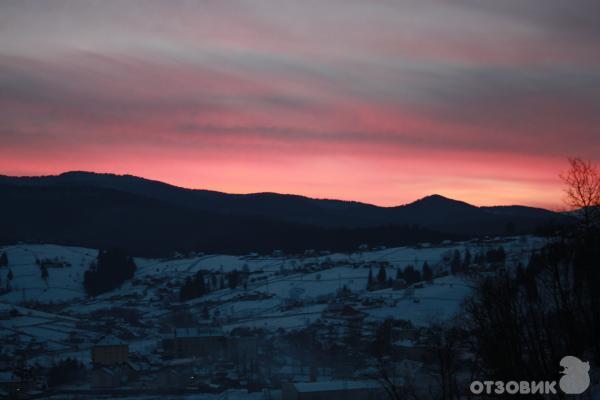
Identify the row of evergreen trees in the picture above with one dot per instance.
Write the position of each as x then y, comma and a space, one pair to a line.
459, 263
194, 287
409, 275
205, 282
65, 371
108, 272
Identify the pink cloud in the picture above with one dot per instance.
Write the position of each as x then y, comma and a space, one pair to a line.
339, 100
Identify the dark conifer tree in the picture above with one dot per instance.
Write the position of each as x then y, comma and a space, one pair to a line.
3, 259
111, 268
44, 272
427, 272
65, 371
399, 274
185, 292
381, 275
456, 262
200, 284
411, 275
467, 260
233, 279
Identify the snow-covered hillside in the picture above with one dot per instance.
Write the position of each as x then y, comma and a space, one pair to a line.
48, 317
64, 282
65, 277
310, 281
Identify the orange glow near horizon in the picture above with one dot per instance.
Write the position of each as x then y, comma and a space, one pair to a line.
383, 182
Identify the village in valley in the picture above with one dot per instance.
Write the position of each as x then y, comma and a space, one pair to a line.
256, 326
299, 200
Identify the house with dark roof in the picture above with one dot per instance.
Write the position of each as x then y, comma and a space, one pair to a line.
340, 313
195, 342
110, 350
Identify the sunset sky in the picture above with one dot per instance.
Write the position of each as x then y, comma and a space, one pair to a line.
378, 101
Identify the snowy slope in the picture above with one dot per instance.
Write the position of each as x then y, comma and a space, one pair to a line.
63, 284
312, 282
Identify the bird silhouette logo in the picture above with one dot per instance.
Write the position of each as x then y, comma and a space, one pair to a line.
576, 377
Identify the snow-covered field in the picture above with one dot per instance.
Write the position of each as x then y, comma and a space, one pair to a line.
309, 280
63, 284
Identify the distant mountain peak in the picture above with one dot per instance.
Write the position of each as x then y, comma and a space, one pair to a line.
95, 174
436, 197
439, 200
80, 174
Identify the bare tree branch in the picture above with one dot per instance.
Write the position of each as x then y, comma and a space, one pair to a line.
582, 190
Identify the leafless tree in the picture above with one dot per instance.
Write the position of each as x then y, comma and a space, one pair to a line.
396, 384
582, 182
446, 344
